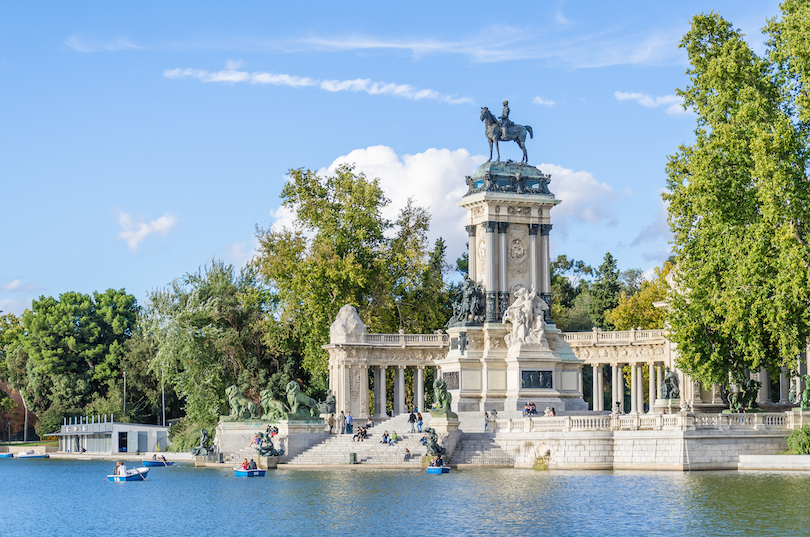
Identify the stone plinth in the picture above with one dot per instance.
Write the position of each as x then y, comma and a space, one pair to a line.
233, 436
449, 434
295, 437
667, 406
268, 463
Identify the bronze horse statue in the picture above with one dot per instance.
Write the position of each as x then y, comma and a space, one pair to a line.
515, 132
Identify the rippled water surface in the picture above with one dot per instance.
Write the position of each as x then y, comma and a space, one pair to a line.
59, 497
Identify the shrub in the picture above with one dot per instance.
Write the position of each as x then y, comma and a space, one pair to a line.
799, 440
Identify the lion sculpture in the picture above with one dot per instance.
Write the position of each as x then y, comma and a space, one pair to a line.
273, 408
442, 398
241, 407
301, 406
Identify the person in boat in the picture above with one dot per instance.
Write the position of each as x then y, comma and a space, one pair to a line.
439, 462
122, 469
154, 457
245, 464
115, 470
163, 458
252, 465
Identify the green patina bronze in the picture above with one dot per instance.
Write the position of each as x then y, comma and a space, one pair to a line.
242, 408
265, 448
443, 399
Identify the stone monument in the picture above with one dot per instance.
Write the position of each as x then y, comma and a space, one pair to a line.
504, 346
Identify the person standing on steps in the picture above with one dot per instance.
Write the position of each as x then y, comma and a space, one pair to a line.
349, 423
419, 421
412, 421
341, 423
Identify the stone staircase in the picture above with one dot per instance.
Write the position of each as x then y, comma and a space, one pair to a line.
337, 448
481, 449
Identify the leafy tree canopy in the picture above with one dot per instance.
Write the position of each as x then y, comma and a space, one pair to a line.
739, 200
638, 310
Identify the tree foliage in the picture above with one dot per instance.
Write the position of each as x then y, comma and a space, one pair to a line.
341, 250
638, 310
605, 292
738, 200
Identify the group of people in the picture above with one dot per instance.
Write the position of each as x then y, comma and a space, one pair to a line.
248, 465
491, 416
344, 424
390, 440
415, 420
529, 409
361, 434
549, 412
156, 458
120, 469
437, 462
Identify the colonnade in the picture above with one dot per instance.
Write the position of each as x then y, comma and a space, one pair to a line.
494, 276
381, 395
656, 381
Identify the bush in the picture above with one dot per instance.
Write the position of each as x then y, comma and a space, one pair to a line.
50, 421
799, 440
186, 434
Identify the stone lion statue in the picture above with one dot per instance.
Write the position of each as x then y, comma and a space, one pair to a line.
273, 408
442, 398
241, 407
301, 406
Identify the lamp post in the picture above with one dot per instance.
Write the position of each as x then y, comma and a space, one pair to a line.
163, 394
125, 392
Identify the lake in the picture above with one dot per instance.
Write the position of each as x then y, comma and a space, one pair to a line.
65, 497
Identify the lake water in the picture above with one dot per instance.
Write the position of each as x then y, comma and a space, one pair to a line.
62, 497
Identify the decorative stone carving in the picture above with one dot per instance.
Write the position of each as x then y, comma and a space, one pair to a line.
517, 247
669, 389
347, 328
478, 210
527, 315
617, 352
482, 254
508, 177
522, 211
467, 305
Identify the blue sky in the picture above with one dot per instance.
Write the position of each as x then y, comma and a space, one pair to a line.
140, 140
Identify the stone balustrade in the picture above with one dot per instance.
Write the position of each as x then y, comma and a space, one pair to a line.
406, 340
616, 336
655, 422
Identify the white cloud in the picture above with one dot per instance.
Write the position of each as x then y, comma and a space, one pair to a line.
584, 199
539, 100
135, 232
434, 178
83, 45
18, 286
13, 285
231, 74
15, 305
673, 104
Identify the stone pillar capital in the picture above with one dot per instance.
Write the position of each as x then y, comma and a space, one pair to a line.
502, 227
471, 230
545, 229
490, 226
533, 229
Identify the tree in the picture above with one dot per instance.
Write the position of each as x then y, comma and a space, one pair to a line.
739, 200
341, 250
207, 329
70, 348
638, 310
605, 292
569, 297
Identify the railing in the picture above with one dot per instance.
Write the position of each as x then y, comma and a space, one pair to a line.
407, 340
614, 336
637, 422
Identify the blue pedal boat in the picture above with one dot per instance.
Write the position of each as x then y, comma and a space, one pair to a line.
238, 472
6, 455
157, 463
135, 474
438, 469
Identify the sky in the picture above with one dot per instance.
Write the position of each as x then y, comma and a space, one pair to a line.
139, 141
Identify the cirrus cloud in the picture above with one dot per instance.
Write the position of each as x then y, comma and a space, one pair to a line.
134, 232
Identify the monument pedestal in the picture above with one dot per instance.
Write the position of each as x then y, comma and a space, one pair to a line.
449, 434
294, 437
667, 406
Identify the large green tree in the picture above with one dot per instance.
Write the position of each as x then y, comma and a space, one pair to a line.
605, 292
341, 250
739, 200
69, 350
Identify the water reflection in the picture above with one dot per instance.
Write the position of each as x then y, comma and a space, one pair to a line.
71, 497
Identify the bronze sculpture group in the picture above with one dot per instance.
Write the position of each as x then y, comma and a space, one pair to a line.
297, 406
504, 130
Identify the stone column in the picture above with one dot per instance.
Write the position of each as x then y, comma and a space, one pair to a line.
363, 387
595, 388
652, 387
601, 399
491, 276
503, 289
545, 267
383, 395
784, 386
471, 251
615, 387
640, 379
400, 390
633, 390
534, 267
660, 382
420, 388
765, 388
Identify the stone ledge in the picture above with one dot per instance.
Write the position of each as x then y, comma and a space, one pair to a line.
782, 463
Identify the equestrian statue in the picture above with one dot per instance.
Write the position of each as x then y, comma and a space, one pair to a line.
505, 130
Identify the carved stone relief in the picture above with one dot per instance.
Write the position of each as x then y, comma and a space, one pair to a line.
478, 210
517, 247
618, 352
523, 211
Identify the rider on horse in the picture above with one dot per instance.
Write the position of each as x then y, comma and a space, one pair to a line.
505, 121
